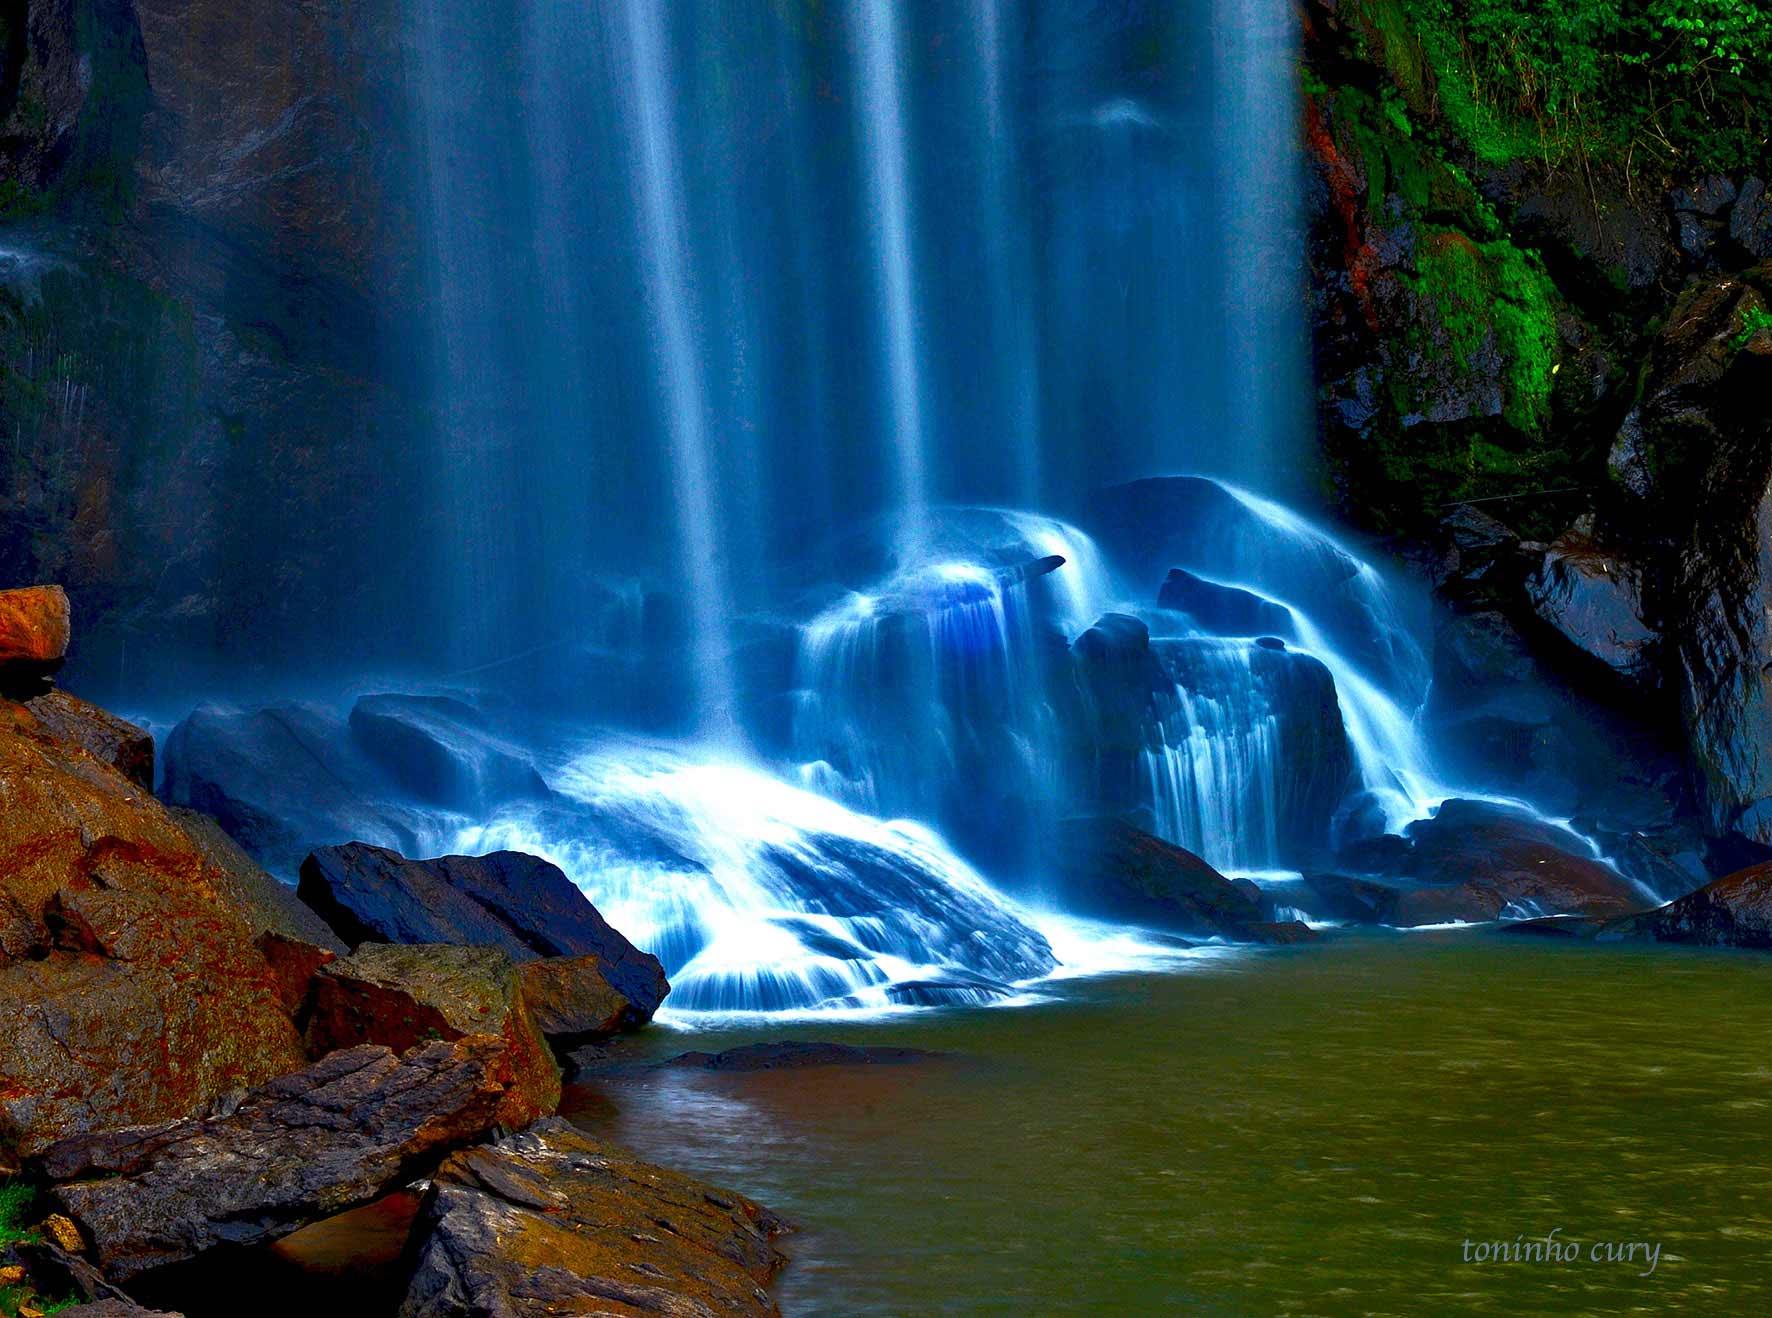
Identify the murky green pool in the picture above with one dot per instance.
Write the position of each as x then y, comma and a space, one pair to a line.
1305, 1130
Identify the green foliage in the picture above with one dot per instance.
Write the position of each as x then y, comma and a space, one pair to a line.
17, 1198
1685, 85
1754, 320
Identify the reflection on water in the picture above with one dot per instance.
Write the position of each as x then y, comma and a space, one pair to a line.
1291, 1131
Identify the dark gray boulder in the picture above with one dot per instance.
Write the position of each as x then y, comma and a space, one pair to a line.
517, 903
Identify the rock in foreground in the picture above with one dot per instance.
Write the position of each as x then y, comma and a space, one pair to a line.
517, 903
400, 997
308, 1145
552, 1221
130, 988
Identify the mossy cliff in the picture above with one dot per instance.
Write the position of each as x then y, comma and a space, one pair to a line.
1498, 231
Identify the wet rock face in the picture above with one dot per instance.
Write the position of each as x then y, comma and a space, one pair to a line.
519, 904
1696, 454
316, 1142
130, 988
1592, 596
552, 1221
400, 997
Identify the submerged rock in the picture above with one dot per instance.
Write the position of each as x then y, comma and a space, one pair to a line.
303, 1147
552, 1221
519, 904
401, 996
35, 628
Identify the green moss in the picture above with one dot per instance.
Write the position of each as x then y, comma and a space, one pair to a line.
1754, 320
1491, 301
17, 1199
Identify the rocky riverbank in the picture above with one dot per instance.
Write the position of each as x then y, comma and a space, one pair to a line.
200, 1061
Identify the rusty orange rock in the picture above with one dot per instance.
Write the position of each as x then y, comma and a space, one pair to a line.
35, 628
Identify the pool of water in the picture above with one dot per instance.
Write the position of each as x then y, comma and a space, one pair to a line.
1289, 1130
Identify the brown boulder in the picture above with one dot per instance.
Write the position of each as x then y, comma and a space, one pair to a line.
1477, 861
35, 627
129, 986
573, 1002
403, 995
553, 1221
1112, 868
1735, 911
337, 1134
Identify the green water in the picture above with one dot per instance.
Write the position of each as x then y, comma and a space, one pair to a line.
1301, 1130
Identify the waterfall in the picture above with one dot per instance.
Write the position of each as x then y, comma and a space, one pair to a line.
670, 291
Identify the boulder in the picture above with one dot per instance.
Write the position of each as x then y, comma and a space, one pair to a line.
1750, 220
1592, 596
336, 1134
553, 1221
282, 781
100, 733
439, 749
1222, 610
130, 989
1112, 868
1477, 861
400, 996
35, 627
573, 1002
1735, 911
517, 903
116, 1308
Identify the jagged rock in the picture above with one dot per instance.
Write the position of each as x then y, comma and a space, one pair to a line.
1750, 220
1697, 455
573, 1002
438, 749
119, 1308
517, 903
553, 1221
305, 1146
1111, 868
130, 989
101, 734
400, 996
35, 627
